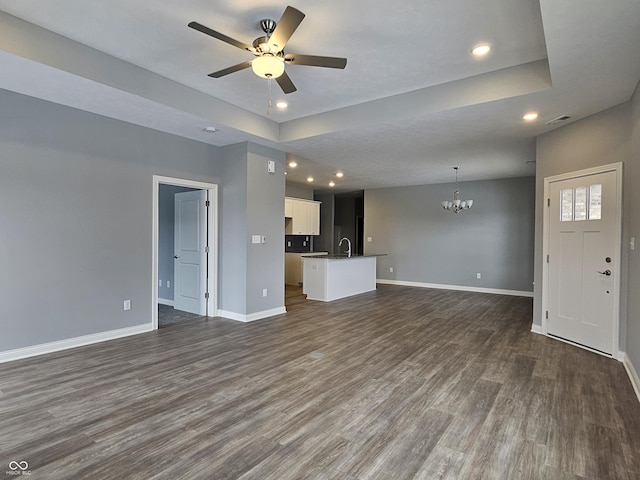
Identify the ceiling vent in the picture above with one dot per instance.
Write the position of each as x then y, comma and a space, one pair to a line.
559, 119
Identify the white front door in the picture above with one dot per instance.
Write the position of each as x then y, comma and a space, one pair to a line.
583, 259
190, 242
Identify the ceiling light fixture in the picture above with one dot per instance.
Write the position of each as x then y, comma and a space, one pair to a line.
309, 179
293, 164
210, 129
530, 116
457, 205
481, 50
268, 66
282, 105
332, 183
339, 174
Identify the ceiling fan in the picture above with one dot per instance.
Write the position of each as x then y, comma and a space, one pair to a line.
269, 50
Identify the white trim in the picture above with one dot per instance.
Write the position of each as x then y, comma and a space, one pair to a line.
164, 301
65, 344
463, 288
240, 317
212, 287
536, 329
633, 375
612, 167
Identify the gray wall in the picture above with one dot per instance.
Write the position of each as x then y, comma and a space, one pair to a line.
166, 220
296, 190
426, 244
601, 139
76, 221
253, 204
324, 241
265, 202
632, 224
76, 218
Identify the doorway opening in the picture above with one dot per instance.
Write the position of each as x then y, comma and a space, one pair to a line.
185, 250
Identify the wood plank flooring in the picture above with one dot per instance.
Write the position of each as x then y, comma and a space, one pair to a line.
400, 383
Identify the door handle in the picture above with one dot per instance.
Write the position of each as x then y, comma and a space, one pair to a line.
606, 272
176, 257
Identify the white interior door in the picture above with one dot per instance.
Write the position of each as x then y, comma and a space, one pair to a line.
190, 242
583, 261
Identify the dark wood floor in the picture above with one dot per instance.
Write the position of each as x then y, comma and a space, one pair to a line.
401, 383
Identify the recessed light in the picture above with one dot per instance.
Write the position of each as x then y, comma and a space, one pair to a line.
282, 105
293, 164
530, 116
285, 173
339, 174
309, 179
332, 184
210, 129
481, 50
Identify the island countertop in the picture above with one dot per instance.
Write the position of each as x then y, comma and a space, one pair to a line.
345, 257
330, 277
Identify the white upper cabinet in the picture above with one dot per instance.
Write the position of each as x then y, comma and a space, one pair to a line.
302, 217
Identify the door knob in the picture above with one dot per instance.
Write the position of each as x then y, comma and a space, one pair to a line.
606, 272
176, 257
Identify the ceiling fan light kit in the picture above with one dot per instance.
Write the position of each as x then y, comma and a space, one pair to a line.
269, 50
268, 66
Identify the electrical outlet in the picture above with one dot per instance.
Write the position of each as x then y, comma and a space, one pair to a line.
159, 283
168, 284
264, 292
478, 275
390, 269
127, 305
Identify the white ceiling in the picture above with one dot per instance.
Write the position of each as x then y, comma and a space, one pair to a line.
411, 103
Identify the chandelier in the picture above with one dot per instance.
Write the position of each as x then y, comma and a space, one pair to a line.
456, 205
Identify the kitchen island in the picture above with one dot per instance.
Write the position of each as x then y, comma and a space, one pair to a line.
330, 277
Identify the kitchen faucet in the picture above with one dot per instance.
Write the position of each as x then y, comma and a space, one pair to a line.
348, 252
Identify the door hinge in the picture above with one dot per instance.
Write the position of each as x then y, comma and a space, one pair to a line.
548, 202
547, 258
546, 314
207, 203
206, 249
206, 295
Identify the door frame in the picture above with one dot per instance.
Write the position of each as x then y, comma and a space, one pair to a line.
212, 240
612, 167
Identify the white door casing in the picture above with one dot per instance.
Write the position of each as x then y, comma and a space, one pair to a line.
190, 257
582, 242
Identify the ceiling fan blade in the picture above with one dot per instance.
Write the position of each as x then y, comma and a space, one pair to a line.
219, 36
288, 23
227, 71
285, 83
315, 61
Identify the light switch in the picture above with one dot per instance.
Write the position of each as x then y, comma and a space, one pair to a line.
632, 243
255, 238
369, 239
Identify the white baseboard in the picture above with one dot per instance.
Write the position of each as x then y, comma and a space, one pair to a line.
51, 347
463, 288
240, 317
633, 375
537, 329
165, 301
